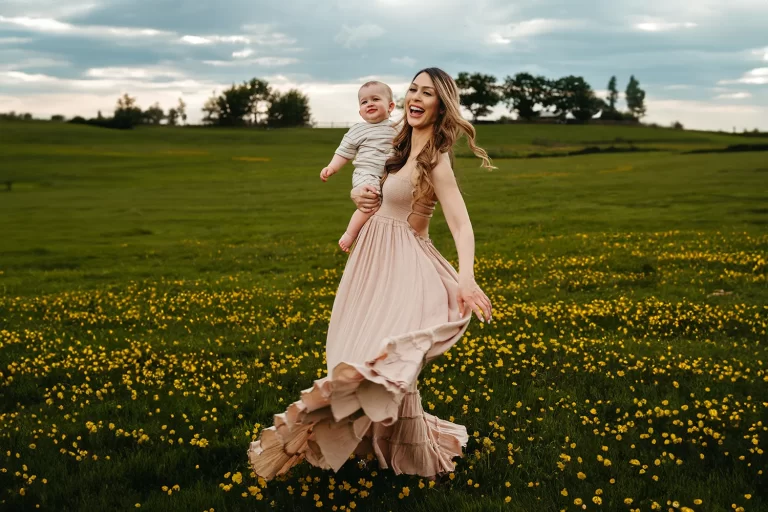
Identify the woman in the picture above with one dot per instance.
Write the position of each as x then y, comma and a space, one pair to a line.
399, 305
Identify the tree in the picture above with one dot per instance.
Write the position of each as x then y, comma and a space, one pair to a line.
613, 94
478, 93
573, 94
57, 118
127, 114
154, 114
523, 92
635, 98
211, 110
13, 116
181, 110
261, 95
176, 113
172, 117
289, 109
239, 105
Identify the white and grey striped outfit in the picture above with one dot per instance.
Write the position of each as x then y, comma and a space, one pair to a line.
370, 145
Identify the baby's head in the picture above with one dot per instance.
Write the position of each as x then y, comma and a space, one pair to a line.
375, 101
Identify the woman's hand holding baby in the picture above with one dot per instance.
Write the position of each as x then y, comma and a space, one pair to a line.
366, 198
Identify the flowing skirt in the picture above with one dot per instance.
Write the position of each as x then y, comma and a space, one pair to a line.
395, 310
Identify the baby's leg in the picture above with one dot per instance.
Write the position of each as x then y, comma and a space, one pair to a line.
356, 223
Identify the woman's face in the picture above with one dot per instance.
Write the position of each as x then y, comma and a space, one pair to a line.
421, 102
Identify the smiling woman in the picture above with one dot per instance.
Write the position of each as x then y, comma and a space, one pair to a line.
399, 305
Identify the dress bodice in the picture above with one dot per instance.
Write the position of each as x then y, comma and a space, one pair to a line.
397, 201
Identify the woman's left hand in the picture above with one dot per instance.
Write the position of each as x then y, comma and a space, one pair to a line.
472, 298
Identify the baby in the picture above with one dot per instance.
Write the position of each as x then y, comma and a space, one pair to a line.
370, 144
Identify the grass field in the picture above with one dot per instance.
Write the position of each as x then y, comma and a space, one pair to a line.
163, 292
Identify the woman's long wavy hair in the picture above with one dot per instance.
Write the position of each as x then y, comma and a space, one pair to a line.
448, 127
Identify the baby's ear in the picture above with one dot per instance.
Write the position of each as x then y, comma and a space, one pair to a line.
391, 106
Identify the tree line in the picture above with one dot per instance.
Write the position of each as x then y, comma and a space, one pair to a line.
532, 97
255, 103
252, 103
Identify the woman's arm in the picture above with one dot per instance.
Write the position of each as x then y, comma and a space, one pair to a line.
457, 217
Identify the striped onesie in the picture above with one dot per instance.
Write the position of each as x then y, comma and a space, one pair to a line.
370, 145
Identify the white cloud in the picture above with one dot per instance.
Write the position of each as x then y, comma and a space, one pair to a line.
48, 8
761, 53
496, 38
242, 54
118, 83
704, 115
14, 40
259, 61
195, 40
405, 61
135, 73
258, 35
757, 76
733, 96
34, 62
358, 36
676, 87
505, 34
263, 35
663, 26
53, 26
19, 78
37, 24
204, 40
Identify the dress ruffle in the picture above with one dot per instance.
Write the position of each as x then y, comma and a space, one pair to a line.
363, 407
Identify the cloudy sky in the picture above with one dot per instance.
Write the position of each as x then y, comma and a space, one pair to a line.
702, 62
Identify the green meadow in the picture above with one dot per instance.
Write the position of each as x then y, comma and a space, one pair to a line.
164, 291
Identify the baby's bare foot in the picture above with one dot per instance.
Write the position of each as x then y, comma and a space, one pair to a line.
345, 242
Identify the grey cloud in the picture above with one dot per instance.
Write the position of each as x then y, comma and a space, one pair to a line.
702, 43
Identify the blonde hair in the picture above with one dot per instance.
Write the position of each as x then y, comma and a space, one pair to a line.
387, 88
447, 129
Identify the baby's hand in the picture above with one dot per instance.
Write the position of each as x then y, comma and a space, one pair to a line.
326, 173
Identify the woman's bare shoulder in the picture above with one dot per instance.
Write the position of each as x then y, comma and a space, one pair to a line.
443, 164
443, 171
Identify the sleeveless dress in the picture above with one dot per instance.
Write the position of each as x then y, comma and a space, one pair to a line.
395, 311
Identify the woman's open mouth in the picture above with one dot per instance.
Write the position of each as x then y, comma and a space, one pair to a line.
415, 111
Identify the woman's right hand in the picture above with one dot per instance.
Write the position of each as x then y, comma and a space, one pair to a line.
472, 299
366, 198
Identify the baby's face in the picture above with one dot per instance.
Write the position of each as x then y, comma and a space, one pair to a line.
375, 103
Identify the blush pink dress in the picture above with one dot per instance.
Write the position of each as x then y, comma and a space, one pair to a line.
395, 311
